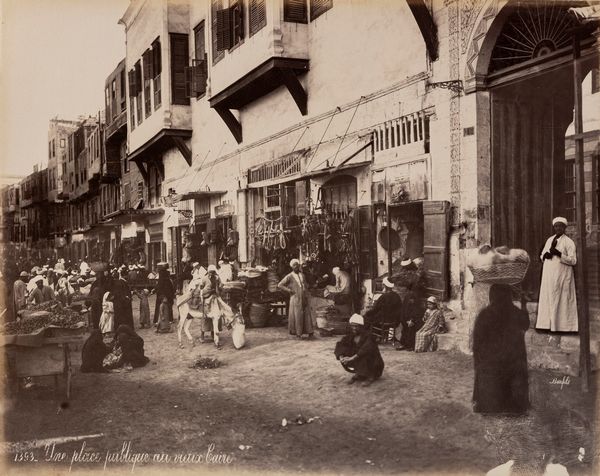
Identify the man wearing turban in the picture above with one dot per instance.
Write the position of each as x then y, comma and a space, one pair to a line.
557, 308
299, 321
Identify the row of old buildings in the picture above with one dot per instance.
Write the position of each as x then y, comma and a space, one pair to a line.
449, 123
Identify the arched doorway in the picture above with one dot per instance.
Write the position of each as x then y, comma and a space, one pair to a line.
526, 60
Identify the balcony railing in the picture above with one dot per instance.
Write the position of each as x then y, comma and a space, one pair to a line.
114, 126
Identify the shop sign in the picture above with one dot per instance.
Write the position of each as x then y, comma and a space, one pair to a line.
225, 209
407, 182
184, 217
129, 230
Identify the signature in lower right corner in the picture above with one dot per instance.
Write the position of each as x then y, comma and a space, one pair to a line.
566, 380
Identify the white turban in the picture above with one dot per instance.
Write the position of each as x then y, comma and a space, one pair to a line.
335, 270
562, 220
357, 319
293, 262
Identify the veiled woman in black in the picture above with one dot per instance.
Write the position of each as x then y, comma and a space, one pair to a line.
500, 357
132, 347
164, 289
93, 353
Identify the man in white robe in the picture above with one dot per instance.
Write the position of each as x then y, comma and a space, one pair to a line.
557, 308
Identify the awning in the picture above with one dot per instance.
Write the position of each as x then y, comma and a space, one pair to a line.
123, 216
329, 157
200, 194
586, 15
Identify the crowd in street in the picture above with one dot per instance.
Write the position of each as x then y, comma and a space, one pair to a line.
501, 379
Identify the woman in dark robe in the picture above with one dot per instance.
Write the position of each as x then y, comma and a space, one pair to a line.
123, 308
500, 357
93, 352
132, 347
164, 289
358, 353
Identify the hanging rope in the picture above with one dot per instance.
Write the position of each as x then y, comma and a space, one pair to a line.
211, 167
337, 109
347, 128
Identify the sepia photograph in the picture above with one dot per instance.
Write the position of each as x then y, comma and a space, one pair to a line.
321, 237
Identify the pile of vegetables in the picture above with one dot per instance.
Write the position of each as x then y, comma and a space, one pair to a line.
206, 363
43, 315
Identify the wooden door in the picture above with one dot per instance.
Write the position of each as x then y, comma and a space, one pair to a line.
436, 233
529, 120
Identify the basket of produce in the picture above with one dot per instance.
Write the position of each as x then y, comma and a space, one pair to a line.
500, 265
42, 316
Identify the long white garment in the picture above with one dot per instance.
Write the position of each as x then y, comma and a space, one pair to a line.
557, 308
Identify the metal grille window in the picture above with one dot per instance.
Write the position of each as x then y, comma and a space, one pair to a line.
408, 129
570, 200
272, 197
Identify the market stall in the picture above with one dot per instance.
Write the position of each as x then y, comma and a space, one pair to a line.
40, 344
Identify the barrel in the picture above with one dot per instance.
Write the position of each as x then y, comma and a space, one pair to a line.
272, 281
259, 314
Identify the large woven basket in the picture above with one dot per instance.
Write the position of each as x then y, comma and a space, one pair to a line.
500, 273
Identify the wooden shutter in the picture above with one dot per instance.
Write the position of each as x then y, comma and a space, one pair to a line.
138, 78
436, 221
156, 58
199, 78
199, 41
216, 5
295, 11
258, 15
237, 22
318, 7
224, 33
132, 83
148, 65
365, 242
179, 62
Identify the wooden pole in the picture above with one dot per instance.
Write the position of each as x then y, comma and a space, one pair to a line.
389, 240
582, 282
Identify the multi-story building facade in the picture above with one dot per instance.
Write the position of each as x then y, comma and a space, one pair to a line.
160, 121
287, 119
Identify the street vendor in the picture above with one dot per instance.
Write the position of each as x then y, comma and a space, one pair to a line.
358, 353
387, 308
341, 292
20, 292
42, 292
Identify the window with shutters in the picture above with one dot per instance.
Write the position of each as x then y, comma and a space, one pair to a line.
138, 96
216, 6
122, 89
197, 75
295, 11
595, 80
132, 95
148, 76
318, 7
179, 63
157, 69
237, 22
257, 16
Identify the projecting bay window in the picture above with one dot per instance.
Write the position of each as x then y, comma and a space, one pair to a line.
157, 69
179, 63
148, 76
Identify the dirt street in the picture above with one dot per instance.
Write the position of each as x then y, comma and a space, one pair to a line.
416, 419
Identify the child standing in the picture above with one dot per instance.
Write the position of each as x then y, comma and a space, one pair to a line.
144, 308
426, 338
164, 325
107, 319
